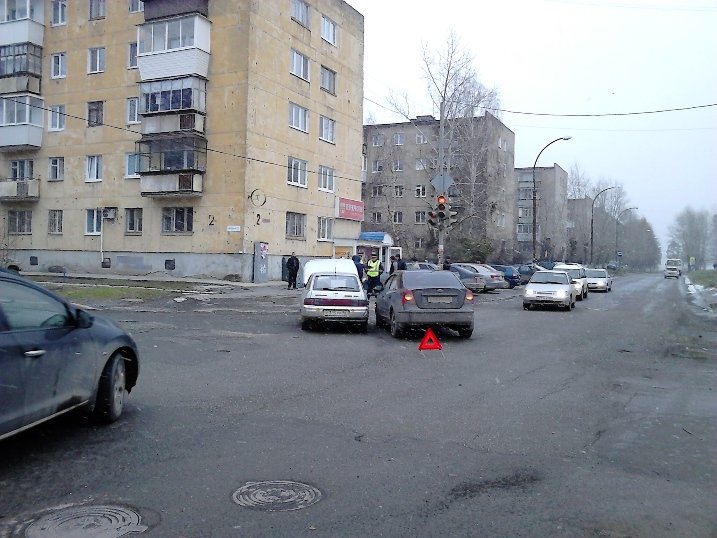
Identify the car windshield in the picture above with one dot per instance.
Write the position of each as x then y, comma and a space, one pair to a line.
336, 283
433, 279
548, 278
596, 273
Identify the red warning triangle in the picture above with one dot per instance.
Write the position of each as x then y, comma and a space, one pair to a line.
430, 341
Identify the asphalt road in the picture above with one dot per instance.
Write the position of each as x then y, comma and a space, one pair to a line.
595, 422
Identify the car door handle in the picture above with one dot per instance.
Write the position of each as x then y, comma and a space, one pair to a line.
35, 353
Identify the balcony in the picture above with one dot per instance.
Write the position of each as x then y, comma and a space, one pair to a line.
24, 137
174, 185
24, 30
20, 191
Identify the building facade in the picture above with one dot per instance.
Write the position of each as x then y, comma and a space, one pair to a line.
401, 159
184, 136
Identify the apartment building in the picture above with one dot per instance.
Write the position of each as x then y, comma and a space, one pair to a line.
401, 159
195, 137
551, 187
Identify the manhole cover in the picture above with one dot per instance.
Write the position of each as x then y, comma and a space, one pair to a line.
276, 496
87, 522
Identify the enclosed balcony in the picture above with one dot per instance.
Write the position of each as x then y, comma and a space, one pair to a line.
20, 123
20, 68
19, 191
22, 21
169, 154
176, 185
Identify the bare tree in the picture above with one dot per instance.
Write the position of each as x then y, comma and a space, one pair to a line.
579, 184
690, 231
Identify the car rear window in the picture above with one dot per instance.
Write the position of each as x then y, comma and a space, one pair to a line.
336, 283
433, 279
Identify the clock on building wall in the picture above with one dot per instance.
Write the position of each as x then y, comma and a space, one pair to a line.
257, 197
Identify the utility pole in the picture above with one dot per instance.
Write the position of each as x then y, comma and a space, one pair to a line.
441, 164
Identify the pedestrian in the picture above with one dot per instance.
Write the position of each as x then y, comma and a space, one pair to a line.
359, 266
392, 266
400, 264
447, 264
373, 272
292, 265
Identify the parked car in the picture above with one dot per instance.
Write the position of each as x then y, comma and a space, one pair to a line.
492, 277
525, 271
425, 298
330, 297
549, 288
576, 272
510, 274
417, 266
471, 279
599, 280
56, 357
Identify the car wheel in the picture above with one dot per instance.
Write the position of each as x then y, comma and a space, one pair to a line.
306, 325
111, 390
567, 307
527, 306
585, 294
396, 327
379, 320
363, 327
465, 332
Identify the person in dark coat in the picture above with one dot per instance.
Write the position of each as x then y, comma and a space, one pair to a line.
359, 266
292, 265
400, 263
447, 264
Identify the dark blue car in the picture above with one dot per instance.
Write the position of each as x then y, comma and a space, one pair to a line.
510, 273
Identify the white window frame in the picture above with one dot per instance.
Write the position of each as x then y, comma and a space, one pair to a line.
297, 172
22, 169
133, 220
328, 30
57, 118
327, 129
325, 229
98, 9
377, 140
326, 178
524, 228
377, 166
421, 191
95, 60
418, 242
58, 16
132, 50
299, 65
376, 190
298, 117
295, 225
56, 169
399, 139
300, 12
422, 163
93, 221
58, 65
397, 165
421, 139
136, 6
420, 217
131, 165
376, 217
328, 80
169, 220
93, 168
398, 217
398, 191
133, 110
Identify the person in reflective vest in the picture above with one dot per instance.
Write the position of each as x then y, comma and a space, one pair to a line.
373, 272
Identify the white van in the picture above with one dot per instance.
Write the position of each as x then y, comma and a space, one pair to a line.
673, 268
327, 265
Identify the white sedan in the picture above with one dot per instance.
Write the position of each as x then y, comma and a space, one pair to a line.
330, 298
599, 280
549, 288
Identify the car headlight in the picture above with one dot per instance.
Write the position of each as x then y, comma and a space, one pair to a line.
601, 283
529, 293
561, 294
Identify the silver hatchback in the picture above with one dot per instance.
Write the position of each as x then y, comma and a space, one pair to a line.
334, 298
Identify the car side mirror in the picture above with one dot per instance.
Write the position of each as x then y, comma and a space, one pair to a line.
575, 281
84, 320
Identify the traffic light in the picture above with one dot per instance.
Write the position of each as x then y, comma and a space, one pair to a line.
451, 216
442, 205
433, 218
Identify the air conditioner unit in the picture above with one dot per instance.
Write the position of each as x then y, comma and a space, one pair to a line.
109, 213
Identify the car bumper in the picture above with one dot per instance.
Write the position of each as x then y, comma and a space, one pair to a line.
597, 287
336, 315
555, 301
436, 317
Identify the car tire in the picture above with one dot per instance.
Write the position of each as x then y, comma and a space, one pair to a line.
379, 320
396, 327
567, 307
527, 306
112, 390
363, 327
465, 332
585, 294
306, 325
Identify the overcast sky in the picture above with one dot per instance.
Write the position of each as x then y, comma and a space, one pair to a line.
574, 57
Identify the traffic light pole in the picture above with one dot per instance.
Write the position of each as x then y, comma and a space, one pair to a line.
442, 165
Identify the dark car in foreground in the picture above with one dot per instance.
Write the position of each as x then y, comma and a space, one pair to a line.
55, 357
425, 299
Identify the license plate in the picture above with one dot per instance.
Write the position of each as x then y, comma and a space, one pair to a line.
336, 314
434, 299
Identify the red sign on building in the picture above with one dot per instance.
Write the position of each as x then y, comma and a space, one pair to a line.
350, 209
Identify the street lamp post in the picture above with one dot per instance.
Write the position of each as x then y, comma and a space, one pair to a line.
535, 198
592, 221
617, 222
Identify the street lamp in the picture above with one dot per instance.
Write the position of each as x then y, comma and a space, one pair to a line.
535, 202
592, 221
617, 221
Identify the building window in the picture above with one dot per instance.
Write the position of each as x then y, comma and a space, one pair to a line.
328, 80
297, 172
300, 12
19, 222
421, 164
21, 110
93, 221
525, 193
420, 191
325, 229
177, 219
398, 217
54, 221
132, 56
399, 139
299, 65
398, 191
295, 224
22, 58
420, 217
376, 190
21, 169
132, 165
525, 212
59, 65
397, 165
421, 139
326, 178
57, 117
132, 110
166, 35
98, 9
328, 30
59, 12
95, 113
133, 220
57, 169
525, 228
327, 129
96, 60
298, 117
376, 217
418, 242
94, 168
188, 93
136, 6
377, 166
377, 141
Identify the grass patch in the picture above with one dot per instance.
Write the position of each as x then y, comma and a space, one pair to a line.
708, 279
75, 293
